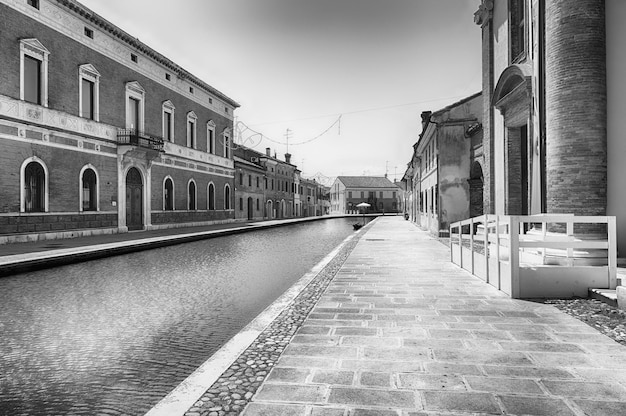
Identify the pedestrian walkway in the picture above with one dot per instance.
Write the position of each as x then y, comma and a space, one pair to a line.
402, 331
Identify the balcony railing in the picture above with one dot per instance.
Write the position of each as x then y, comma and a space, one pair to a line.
138, 138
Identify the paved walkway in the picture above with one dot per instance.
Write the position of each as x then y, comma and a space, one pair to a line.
401, 331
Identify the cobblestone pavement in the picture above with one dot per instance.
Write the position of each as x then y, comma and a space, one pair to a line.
234, 389
401, 331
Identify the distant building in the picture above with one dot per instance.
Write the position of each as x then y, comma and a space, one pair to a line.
349, 191
100, 133
444, 178
249, 188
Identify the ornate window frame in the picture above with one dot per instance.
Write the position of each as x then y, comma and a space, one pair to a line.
227, 196
26, 162
167, 108
172, 196
210, 197
226, 142
35, 49
89, 73
192, 200
192, 138
210, 137
136, 91
88, 166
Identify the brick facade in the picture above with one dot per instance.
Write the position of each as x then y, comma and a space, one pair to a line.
576, 152
55, 136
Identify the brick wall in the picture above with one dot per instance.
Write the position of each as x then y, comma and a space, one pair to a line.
66, 55
576, 152
46, 223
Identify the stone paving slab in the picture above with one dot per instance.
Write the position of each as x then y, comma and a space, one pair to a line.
401, 331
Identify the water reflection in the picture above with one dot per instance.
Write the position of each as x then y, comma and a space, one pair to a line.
113, 336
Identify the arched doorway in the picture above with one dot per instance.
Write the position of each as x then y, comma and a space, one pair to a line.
134, 200
250, 208
476, 190
269, 210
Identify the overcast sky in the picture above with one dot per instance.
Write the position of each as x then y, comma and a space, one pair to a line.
304, 64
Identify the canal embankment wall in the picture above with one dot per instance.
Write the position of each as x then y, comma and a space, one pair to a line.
24, 257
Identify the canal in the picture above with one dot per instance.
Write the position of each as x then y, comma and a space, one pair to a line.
115, 335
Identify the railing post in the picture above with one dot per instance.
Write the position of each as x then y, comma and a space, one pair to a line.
514, 256
570, 251
486, 225
461, 244
611, 230
471, 230
498, 269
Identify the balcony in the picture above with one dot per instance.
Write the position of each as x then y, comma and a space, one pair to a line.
135, 144
138, 138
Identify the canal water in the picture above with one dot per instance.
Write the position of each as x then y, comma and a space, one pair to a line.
113, 336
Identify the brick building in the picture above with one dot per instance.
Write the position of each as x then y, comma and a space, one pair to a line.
554, 102
444, 177
101, 133
349, 191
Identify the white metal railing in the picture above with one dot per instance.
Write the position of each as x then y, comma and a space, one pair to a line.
547, 255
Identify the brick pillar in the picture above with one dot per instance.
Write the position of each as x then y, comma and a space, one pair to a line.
576, 138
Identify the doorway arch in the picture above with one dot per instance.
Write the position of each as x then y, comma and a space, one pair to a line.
476, 190
134, 199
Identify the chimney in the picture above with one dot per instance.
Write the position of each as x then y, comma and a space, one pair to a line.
268, 152
288, 157
425, 118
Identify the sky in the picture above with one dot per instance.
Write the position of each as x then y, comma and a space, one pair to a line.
343, 82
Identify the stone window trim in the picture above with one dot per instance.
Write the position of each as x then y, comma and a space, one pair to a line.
192, 120
210, 196
90, 73
173, 196
192, 199
210, 137
35, 49
227, 196
518, 44
26, 162
226, 142
88, 166
136, 91
167, 107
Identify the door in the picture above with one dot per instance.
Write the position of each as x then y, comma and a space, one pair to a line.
250, 209
134, 200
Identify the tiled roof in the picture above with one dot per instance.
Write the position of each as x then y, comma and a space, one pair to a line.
367, 182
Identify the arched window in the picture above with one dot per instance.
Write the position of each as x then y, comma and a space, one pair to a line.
34, 188
191, 195
227, 197
168, 194
89, 190
211, 197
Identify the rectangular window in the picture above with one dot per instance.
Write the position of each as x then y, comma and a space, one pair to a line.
168, 76
362, 194
133, 57
87, 99
517, 30
350, 194
240, 178
191, 90
249, 180
381, 195
32, 80
240, 204
88, 32
167, 125
211, 140
257, 181
33, 3
191, 133
133, 106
